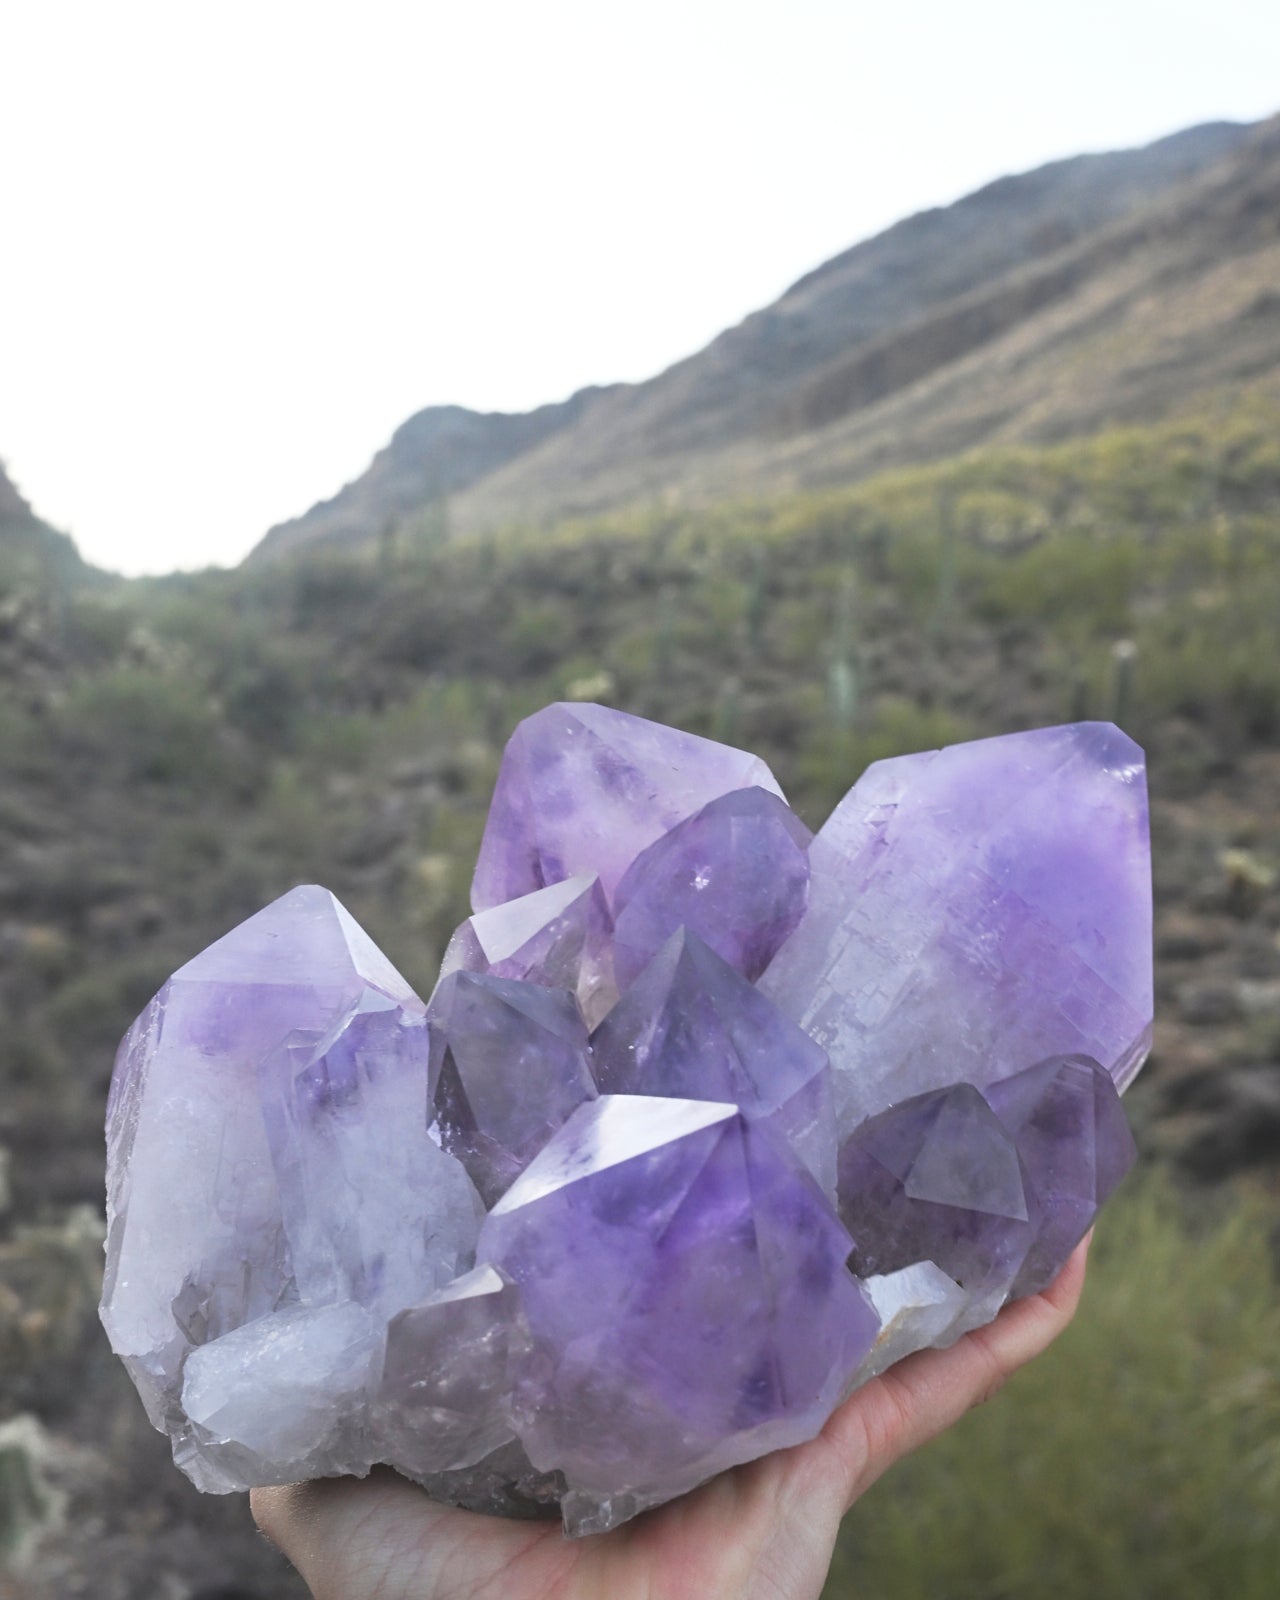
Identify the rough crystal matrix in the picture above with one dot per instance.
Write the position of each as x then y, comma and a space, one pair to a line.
705, 1124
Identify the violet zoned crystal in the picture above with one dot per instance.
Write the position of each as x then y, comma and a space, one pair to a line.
241, 1113
685, 1289
560, 937
975, 909
328, 1103
1067, 1122
994, 1188
583, 788
443, 1397
509, 1064
305, 1163
690, 1027
938, 1178
736, 873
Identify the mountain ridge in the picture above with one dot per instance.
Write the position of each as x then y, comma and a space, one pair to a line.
754, 410
436, 452
13, 507
33, 555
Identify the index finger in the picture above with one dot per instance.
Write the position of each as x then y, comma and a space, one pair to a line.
926, 1393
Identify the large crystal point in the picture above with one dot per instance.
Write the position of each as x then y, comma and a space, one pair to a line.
274, 1194
193, 1207
346, 1114
510, 1061
685, 1289
938, 1178
1066, 1119
735, 873
583, 788
560, 937
690, 1027
973, 909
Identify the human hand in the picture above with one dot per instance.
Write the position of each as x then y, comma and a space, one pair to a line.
764, 1531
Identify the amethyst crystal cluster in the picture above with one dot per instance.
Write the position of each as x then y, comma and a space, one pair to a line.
706, 1122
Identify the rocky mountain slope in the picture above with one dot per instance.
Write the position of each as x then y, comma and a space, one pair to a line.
1067, 278
435, 454
12, 506
38, 567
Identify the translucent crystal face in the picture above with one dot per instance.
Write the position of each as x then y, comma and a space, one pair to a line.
974, 910
691, 1026
705, 1123
583, 788
560, 937
735, 873
510, 1063
704, 1302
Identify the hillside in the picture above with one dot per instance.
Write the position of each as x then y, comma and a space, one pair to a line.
436, 454
193, 746
13, 507
887, 353
39, 569
32, 554
176, 752
1125, 321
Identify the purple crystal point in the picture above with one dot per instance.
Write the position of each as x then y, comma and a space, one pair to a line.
442, 1403
701, 1314
735, 873
583, 788
1066, 1119
346, 1114
510, 1061
559, 937
975, 908
690, 1027
197, 1242
938, 1178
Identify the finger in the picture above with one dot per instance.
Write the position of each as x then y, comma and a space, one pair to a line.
926, 1393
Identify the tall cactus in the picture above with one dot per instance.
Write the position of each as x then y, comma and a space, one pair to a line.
948, 562
842, 674
755, 602
1124, 656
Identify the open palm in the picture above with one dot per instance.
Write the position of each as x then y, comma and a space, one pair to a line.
764, 1531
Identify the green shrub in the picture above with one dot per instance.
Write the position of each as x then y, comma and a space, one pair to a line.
1140, 1456
837, 757
159, 727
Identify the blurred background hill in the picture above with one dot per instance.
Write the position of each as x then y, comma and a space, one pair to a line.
1010, 463
1108, 288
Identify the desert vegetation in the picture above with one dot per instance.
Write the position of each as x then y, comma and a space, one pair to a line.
176, 752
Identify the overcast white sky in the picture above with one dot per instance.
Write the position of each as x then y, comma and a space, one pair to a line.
242, 242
